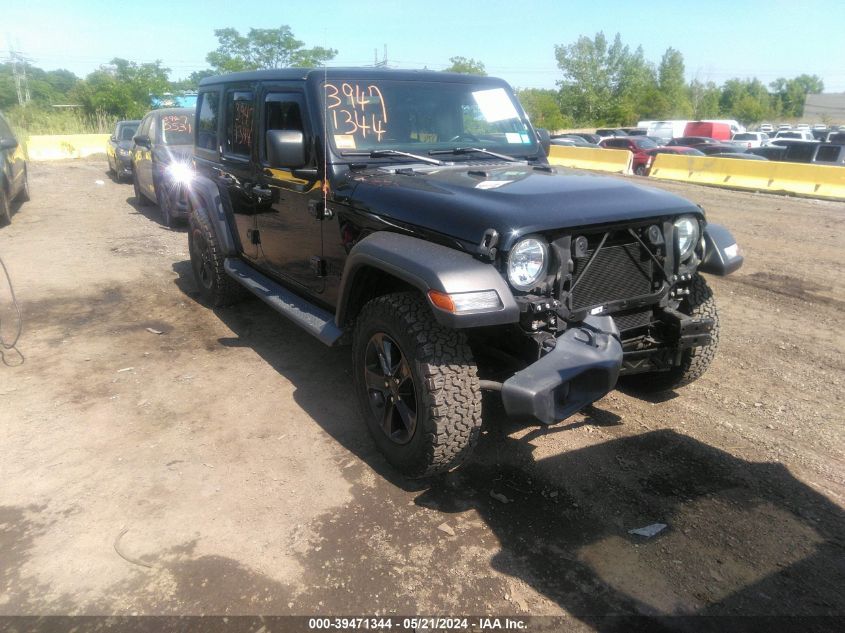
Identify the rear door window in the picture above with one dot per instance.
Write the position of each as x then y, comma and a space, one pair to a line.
239, 116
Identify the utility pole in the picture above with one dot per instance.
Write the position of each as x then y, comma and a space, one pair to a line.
19, 62
383, 62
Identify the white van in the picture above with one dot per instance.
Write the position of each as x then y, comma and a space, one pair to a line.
667, 130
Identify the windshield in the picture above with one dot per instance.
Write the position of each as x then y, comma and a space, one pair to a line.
745, 137
177, 129
419, 117
127, 131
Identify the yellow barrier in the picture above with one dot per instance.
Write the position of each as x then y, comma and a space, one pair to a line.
58, 146
822, 181
600, 159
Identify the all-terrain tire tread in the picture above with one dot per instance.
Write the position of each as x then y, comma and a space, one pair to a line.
452, 393
224, 290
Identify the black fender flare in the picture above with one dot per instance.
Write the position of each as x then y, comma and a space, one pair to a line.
721, 251
206, 201
428, 266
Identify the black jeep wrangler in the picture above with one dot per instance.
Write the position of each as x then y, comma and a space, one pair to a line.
415, 216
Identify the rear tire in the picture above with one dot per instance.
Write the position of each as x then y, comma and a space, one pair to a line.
698, 303
24, 196
5, 209
417, 385
216, 287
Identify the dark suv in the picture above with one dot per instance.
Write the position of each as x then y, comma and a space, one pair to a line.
14, 183
415, 216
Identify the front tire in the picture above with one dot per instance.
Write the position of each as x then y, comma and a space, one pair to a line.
417, 386
639, 170
699, 303
164, 205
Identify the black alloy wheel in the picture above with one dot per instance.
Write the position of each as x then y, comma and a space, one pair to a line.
391, 392
201, 260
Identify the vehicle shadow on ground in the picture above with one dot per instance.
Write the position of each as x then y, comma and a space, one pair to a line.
152, 212
741, 538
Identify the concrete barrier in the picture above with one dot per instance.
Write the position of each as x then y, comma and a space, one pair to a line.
818, 181
58, 146
617, 161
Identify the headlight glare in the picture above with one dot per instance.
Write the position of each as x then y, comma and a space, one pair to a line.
687, 234
180, 173
527, 263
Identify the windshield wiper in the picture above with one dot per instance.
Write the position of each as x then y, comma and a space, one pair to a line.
473, 150
383, 153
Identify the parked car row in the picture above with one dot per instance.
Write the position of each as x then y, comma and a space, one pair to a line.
156, 153
818, 131
789, 146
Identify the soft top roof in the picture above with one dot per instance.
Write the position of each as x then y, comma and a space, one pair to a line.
302, 74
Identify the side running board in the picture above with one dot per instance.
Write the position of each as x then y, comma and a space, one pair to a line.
314, 320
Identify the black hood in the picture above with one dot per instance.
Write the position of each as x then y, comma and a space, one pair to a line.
514, 199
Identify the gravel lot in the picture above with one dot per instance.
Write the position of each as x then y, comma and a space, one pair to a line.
220, 467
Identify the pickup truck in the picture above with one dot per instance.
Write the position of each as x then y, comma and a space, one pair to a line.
414, 216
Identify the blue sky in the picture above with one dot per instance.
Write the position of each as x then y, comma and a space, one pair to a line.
514, 38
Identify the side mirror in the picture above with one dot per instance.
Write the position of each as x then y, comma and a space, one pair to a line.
113, 138
8, 143
143, 140
285, 148
545, 139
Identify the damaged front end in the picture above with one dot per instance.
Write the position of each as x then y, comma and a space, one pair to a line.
610, 302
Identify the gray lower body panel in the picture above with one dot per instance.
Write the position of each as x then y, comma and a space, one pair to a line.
314, 320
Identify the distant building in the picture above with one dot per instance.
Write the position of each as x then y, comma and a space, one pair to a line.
185, 100
825, 108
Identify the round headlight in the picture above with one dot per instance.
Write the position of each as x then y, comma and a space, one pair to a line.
686, 232
527, 263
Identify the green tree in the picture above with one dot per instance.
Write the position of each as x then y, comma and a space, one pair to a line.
263, 48
45, 87
792, 93
591, 77
465, 65
543, 108
635, 90
704, 99
123, 88
746, 100
191, 82
673, 86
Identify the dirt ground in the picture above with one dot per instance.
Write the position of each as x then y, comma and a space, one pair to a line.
220, 466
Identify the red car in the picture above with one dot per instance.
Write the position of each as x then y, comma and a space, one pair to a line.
673, 149
637, 145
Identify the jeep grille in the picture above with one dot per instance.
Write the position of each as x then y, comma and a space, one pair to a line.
622, 271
